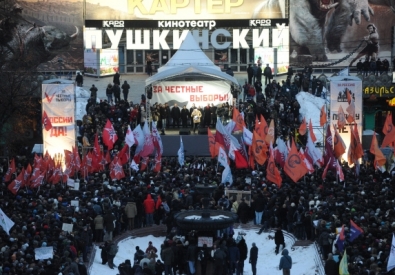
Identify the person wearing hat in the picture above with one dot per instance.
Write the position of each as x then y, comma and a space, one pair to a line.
131, 212
125, 268
331, 267
279, 239
125, 90
285, 263
112, 251
79, 79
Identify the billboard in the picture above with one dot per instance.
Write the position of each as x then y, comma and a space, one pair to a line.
192, 92
337, 33
58, 101
101, 62
42, 33
184, 9
338, 89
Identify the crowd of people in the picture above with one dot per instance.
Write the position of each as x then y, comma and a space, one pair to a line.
311, 209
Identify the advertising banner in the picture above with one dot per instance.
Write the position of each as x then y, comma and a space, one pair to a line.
338, 90
185, 9
58, 102
48, 31
361, 29
199, 93
101, 62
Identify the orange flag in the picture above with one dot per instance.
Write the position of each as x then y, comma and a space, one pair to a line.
272, 172
270, 133
389, 131
239, 120
379, 158
251, 158
348, 93
341, 118
303, 127
339, 147
259, 149
294, 166
351, 112
311, 132
261, 127
323, 118
359, 149
211, 143
355, 150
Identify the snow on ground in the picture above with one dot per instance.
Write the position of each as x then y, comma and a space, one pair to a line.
82, 97
302, 257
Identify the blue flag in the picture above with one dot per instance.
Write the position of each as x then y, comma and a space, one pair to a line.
181, 153
340, 240
355, 231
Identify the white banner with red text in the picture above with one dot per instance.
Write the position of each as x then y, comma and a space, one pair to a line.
188, 93
58, 101
339, 90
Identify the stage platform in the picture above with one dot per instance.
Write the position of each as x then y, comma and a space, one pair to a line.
194, 144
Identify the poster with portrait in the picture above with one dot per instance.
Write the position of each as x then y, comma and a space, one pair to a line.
340, 33
236, 195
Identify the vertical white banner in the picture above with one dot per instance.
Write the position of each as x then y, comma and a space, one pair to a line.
58, 101
338, 90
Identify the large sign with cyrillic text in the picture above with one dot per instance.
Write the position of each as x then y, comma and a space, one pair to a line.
58, 102
186, 9
188, 93
379, 91
339, 98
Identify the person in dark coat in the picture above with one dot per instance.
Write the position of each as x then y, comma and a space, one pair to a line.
207, 115
125, 90
93, 90
243, 211
191, 258
176, 115
82, 268
125, 268
108, 220
233, 257
112, 251
219, 256
243, 249
116, 79
104, 249
331, 267
184, 116
203, 257
250, 74
117, 93
79, 79
259, 205
253, 258
279, 239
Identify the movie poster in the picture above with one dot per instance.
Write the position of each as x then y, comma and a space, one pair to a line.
44, 33
336, 33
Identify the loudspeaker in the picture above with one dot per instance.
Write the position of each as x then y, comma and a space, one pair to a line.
202, 131
185, 131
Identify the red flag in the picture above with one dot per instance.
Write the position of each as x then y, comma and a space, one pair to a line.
211, 144
144, 163
323, 118
238, 119
26, 175
341, 118
56, 176
339, 171
108, 157
272, 172
389, 131
329, 155
69, 158
311, 132
221, 136
124, 154
16, 184
326, 169
96, 146
240, 160
355, 150
11, 170
77, 159
158, 162
348, 93
259, 148
109, 135
294, 166
46, 121
306, 161
148, 147
303, 127
339, 147
37, 181
379, 158
117, 170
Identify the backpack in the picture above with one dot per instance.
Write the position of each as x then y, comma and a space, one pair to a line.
201, 255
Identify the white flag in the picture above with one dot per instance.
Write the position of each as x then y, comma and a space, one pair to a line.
129, 139
5, 222
134, 165
247, 136
344, 72
139, 136
222, 157
181, 153
391, 260
227, 175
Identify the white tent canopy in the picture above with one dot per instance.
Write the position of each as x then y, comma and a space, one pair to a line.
190, 59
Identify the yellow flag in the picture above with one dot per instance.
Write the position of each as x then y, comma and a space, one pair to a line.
343, 267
